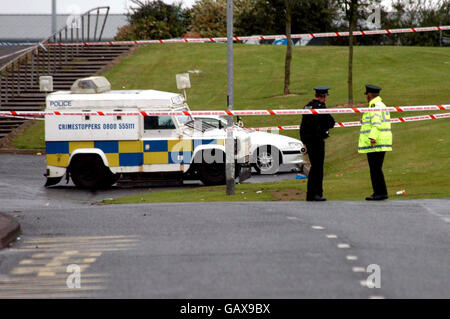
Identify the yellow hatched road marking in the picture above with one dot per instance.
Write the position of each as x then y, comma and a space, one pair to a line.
45, 273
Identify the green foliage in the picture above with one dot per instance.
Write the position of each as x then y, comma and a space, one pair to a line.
404, 14
209, 18
268, 16
422, 13
154, 20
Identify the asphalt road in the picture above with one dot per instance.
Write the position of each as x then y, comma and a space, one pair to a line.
219, 250
23, 174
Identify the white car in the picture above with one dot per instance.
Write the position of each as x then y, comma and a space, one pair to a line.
267, 150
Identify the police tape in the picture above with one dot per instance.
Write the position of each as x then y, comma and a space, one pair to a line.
260, 37
438, 107
296, 127
23, 117
357, 123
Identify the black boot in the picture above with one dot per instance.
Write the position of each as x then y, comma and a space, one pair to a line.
377, 197
315, 198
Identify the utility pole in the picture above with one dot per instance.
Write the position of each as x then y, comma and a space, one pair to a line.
229, 144
53, 16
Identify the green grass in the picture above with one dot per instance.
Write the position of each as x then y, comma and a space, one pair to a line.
420, 162
32, 138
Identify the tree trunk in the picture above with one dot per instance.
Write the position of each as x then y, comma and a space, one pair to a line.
287, 65
352, 25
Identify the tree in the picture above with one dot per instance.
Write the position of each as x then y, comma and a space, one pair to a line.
209, 18
408, 13
299, 16
287, 63
154, 19
351, 11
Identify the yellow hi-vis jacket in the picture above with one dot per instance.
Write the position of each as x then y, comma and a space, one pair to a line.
377, 126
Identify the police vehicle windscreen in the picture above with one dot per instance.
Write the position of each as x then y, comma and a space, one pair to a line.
183, 119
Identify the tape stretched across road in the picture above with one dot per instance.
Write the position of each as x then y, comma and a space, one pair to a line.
358, 123
296, 127
422, 108
261, 37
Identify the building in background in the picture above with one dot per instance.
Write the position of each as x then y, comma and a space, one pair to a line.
16, 28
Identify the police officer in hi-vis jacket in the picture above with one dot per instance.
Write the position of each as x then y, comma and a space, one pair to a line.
313, 132
375, 139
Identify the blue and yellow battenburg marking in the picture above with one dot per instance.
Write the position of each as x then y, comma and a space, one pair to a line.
130, 153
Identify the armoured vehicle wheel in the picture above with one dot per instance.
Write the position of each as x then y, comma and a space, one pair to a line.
212, 174
88, 171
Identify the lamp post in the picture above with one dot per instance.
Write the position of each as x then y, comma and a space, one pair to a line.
53, 16
229, 144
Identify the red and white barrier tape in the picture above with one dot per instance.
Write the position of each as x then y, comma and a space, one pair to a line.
351, 124
438, 107
261, 37
24, 117
296, 127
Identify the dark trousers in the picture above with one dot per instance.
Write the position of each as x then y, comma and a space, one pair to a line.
375, 160
316, 153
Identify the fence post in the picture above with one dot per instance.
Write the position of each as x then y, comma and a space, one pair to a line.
65, 47
88, 26
32, 69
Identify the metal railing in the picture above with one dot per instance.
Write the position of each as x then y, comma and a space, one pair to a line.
22, 72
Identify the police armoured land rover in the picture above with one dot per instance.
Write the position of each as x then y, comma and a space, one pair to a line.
96, 151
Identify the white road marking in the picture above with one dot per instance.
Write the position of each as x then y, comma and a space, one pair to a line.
46, 274
317, 227
358, 269
342, 245
376, 297
351, 257
445, 218
331, 236
292, 218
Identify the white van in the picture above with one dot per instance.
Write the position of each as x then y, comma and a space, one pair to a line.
96, 151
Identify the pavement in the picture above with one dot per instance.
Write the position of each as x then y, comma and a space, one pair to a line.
71, 247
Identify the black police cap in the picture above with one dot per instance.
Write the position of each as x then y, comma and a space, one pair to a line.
372, 89
321, 90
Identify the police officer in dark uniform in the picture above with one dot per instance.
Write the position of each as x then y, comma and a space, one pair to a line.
313, 132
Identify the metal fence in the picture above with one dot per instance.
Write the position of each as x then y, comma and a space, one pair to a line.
22, 73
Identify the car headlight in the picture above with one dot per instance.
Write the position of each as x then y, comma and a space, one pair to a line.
295, 145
